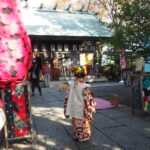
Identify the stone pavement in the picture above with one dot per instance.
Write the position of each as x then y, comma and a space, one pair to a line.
112, 129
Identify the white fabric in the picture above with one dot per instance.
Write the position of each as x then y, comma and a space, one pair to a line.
2, 118
75, 105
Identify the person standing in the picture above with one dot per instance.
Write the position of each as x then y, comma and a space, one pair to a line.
125, 77
46, 72
129, 75
79, 105
35, 78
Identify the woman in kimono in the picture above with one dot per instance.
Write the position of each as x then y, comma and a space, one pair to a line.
79, 105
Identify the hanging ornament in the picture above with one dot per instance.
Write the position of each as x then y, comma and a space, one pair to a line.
15, 48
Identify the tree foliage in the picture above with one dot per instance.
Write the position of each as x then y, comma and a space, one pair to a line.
130, 23
136, 25
128, 19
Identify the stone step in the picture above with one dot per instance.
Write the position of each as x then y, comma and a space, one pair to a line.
88, 80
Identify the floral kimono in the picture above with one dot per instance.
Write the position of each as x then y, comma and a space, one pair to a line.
80, 120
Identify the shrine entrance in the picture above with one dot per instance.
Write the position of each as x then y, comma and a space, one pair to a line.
61, 55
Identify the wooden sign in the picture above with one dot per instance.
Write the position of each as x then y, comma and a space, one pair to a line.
146, 92
136, 92
139, 64
140, 85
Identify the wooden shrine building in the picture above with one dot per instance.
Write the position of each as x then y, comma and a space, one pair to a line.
59, 37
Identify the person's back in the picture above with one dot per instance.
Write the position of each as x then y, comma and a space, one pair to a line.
35, 72
79, 105
35, 78
76, 99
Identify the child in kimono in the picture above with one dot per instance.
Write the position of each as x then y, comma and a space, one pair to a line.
79, 105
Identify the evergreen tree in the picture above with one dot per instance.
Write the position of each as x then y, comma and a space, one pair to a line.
136, 25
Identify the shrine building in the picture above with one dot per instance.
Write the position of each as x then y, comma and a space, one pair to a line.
61, 37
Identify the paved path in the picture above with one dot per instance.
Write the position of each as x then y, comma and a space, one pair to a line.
113, 129
103, 90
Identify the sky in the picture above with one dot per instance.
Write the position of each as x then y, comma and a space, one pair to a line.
51, 4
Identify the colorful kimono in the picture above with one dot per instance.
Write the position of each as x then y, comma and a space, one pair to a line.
78, 99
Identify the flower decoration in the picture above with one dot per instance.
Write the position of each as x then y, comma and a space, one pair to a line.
15, 46
79, 71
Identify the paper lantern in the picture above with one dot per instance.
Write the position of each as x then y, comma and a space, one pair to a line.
15, 48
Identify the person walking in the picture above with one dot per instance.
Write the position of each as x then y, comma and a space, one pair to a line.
79, 105
46, 72
35, 78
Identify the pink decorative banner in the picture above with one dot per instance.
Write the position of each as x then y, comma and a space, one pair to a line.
123, 62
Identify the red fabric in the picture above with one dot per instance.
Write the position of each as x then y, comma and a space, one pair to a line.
21, 113
45, 70
145, 98
15, 48
81, 128
1, 104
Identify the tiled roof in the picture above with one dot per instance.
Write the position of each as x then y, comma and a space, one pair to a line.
62, 23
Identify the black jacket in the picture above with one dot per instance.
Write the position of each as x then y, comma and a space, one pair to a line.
35, 68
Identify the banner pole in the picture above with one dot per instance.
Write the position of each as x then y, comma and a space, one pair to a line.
121, 65
121, 81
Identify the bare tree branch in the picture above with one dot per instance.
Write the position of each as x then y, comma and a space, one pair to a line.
104, 4
88, 6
